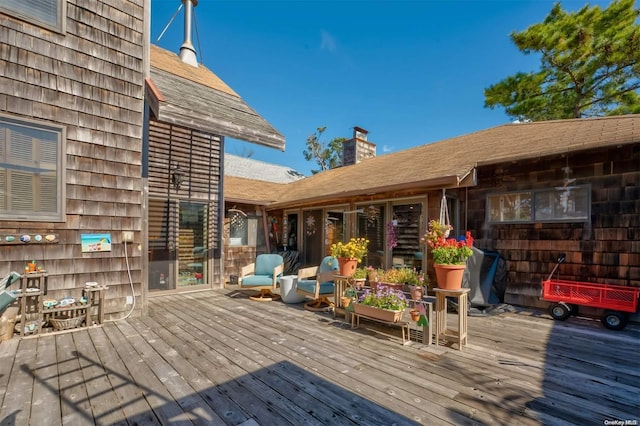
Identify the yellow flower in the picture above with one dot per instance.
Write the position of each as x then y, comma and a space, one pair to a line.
356, 248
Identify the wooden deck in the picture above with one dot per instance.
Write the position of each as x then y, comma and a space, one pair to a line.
216, 357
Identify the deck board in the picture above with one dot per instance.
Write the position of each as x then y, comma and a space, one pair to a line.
135, 407
216, 357
45, 400
103, 399
270, 357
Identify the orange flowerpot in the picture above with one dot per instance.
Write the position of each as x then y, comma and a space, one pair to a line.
347, 266
449, 277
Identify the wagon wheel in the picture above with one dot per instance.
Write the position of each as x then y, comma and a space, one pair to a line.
614, 320
559, 311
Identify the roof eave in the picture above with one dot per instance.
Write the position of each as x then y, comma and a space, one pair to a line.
453, 181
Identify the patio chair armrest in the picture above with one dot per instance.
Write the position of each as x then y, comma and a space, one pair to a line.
277, 271
309, 272
326, 276
246, 270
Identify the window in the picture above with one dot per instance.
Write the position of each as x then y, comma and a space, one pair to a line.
560, 204
569, 203
31, 170
511, 207
238, 228
47, 13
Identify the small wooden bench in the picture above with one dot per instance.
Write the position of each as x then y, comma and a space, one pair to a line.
355, 323
405, 321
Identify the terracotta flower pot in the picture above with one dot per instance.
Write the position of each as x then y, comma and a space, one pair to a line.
358, 283
415, 315
346, 301
449, 277
416, 292
347, 266
394, 286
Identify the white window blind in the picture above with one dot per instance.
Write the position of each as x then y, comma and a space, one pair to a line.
45, 12
30, 171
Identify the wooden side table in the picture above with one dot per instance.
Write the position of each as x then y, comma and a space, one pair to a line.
458, 336
340, 284
32, 288
95, 300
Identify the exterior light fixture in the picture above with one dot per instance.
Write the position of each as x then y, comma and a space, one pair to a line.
177, 177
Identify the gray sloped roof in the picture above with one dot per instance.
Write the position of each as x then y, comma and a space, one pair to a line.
194, 97
258, 170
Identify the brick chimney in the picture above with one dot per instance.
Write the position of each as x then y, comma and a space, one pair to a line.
357, 148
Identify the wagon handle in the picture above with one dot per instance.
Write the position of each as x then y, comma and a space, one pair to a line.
560, 260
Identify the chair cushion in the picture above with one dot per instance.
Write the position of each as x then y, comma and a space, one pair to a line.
309, 286
257, 281
329, 263
266, 262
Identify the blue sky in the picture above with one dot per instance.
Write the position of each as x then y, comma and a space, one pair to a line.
410, 72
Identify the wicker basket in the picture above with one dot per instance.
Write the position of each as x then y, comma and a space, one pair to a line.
63, 322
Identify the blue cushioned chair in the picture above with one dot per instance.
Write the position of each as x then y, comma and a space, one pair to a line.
262, 275
321, 286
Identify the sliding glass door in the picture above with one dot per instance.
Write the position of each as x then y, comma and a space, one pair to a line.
178, 249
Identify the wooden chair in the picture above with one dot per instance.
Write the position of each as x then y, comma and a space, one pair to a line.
7, 297
263, 276
317, 282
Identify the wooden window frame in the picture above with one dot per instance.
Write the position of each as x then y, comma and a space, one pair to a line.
21, 9
533, 200
32, 215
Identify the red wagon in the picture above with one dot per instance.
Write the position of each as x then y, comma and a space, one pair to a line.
618, 301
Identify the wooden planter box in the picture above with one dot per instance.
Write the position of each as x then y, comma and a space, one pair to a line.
377, 313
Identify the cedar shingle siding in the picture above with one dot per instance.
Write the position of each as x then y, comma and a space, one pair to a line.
90, 80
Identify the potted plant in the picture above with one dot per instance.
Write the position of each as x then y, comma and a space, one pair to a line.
385, 303
449, 255
349, 254
373, 274
398, 277
359, 277
415, 314
418, 290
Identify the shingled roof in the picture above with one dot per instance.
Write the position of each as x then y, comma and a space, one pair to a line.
251, 191
194, 97
259, 170
451, 162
